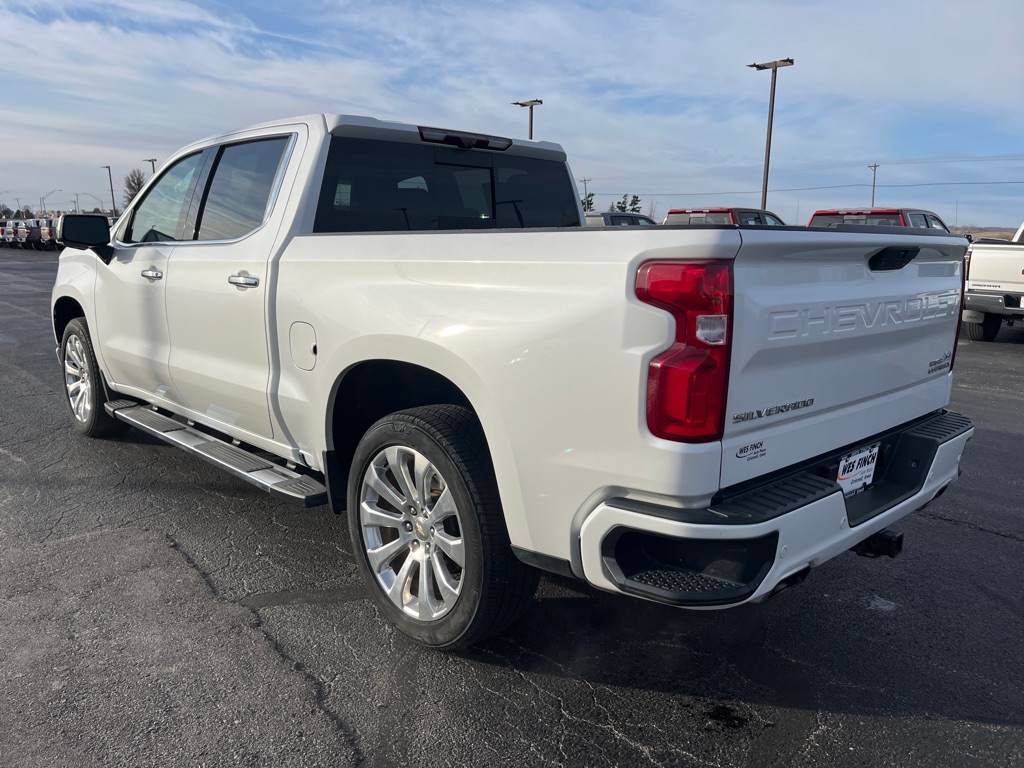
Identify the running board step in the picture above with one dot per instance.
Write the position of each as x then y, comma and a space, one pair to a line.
279, 481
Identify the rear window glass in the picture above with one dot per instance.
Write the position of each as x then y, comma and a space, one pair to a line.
825, 220
882, 220
383, 186
698, 218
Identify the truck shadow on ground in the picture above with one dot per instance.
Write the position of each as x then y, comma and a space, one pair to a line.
864, 659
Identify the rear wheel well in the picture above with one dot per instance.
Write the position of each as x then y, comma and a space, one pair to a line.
64, 311
368, 392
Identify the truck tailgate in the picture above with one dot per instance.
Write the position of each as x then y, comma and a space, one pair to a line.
833, 341
996, 267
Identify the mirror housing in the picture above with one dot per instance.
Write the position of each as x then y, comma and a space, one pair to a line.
83, 231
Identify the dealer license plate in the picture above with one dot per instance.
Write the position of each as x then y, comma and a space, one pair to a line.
857, 469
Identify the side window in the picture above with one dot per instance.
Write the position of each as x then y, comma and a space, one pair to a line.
771, 220
238, 194
645, 222
621, 221
934, 222
158, 216
918, 220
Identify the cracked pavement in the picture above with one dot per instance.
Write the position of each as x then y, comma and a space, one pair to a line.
157, 612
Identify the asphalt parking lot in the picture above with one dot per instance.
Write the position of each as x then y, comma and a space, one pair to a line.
156, 612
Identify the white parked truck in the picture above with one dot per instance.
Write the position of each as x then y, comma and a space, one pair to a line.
995, 285
413, 326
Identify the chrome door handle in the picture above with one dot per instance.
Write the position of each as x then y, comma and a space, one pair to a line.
245, 281
152, 274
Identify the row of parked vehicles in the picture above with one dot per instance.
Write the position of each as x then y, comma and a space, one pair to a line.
831, 218
38, 234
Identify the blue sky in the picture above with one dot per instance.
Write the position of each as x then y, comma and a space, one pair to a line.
653, 99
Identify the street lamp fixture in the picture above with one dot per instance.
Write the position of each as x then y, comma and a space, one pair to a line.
774, 67
110, 178
531, 104
42, 200
152, 163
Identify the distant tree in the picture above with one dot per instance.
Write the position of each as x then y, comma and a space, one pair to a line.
652, 210
133, 182
588, 202
24, 213
5, 212
627, 205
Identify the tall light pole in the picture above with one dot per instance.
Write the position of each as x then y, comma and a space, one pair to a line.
531, 104
110, 178
874, 172
152, 163
774, 67
42, 200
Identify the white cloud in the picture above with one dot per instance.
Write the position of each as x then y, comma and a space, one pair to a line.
654, 99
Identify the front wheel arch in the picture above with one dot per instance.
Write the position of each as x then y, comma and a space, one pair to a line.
65, 310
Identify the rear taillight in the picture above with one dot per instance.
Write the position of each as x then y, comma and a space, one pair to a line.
687, 383
963, 302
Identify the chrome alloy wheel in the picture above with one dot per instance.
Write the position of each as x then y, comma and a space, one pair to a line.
76, 379
412, 533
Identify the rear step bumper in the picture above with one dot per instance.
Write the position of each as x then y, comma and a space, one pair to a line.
279, 481
766, 539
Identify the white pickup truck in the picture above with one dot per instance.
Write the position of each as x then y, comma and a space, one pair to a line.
995, 285
413, 326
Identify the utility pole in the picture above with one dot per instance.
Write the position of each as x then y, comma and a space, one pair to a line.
110, 178
586, 197
152, 163
774, 67
531, 104
874, 170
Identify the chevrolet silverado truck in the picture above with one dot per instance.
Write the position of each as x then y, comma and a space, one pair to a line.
995, 285
414, 327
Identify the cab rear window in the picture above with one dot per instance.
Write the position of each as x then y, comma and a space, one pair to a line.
694, 219
380, 186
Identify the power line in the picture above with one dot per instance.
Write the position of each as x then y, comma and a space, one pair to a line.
834, 166
808, 189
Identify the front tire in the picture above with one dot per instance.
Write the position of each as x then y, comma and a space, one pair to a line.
428, 530
986, 330
83, 385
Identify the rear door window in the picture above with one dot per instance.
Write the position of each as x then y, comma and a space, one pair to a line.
238, 196
934, 223
918, 220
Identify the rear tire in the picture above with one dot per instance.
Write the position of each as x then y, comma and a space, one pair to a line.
83, 384
428, 531
986, 330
